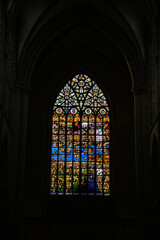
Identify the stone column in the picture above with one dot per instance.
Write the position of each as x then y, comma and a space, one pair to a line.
17, 156
141, 147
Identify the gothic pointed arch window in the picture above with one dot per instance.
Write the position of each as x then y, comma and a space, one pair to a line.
80, 149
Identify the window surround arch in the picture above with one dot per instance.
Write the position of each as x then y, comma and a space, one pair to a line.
55, 95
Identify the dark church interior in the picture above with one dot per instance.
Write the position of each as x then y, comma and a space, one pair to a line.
43, 45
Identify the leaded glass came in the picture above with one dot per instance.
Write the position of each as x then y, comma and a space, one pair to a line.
80, 151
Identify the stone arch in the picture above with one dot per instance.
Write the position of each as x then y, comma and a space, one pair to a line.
39, 99
126, 42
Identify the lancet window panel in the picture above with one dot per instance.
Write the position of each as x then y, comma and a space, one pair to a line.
80, 149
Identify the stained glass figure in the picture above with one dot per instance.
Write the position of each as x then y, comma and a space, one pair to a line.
80, 151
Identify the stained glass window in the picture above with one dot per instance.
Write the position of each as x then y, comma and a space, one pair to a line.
80, 150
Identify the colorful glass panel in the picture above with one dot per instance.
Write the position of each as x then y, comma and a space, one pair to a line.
80, 151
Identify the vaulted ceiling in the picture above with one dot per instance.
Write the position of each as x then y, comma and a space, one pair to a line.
117, 29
